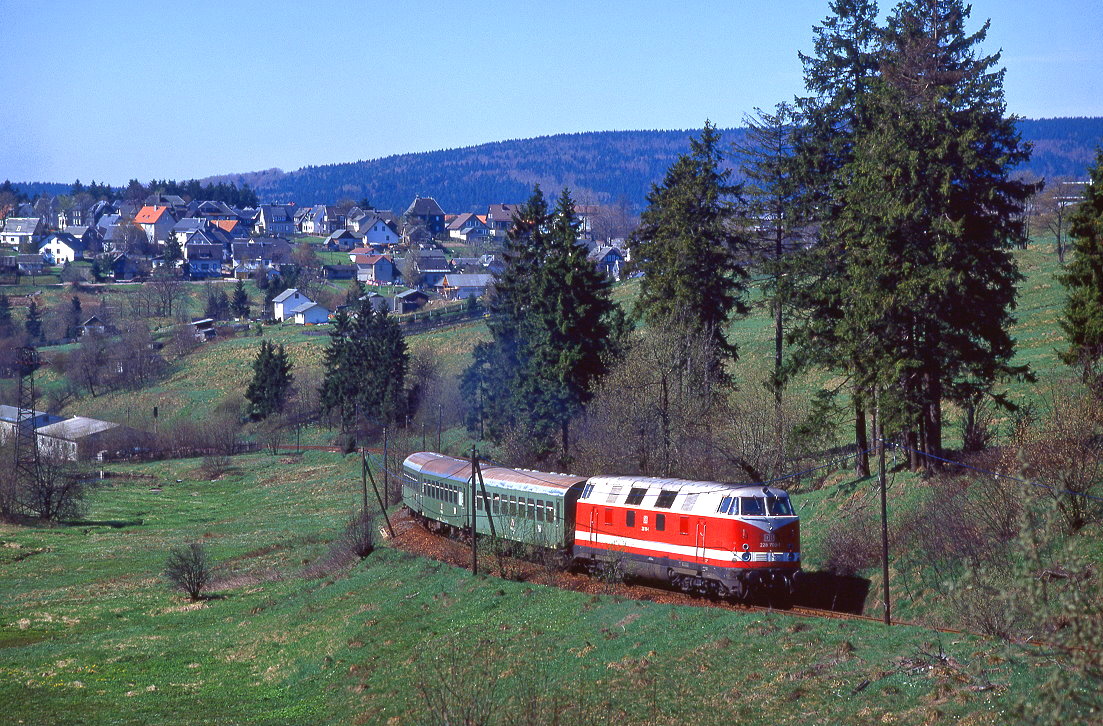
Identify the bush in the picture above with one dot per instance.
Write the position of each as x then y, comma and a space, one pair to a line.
187, 570
359, 535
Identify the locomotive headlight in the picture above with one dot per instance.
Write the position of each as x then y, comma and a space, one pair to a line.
746, 556
746, 546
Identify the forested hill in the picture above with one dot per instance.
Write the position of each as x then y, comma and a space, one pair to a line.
599, 167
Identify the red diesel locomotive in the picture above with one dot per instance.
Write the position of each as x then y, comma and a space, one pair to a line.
727, 540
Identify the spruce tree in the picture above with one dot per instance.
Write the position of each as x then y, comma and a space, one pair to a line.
554, 329
1083, 320
240, 302
688, 245
73, 318
33, 323
915, 282
271, 383
7, 327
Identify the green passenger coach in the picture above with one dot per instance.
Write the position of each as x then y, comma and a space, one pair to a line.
533, 507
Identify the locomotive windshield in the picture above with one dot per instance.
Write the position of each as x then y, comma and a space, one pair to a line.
779, 506
752, 506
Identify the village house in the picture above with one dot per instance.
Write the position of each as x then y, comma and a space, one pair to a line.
311, 314
61, 248
375, 228
608, 260
469, 227
375, 269
284, 304
342, 240
204, 254
9, 420
426, 211
409, 301
276, 219
459, 286
23, 232
261, 252
156, 222
499, 218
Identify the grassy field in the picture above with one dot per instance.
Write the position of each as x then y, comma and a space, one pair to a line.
89, 633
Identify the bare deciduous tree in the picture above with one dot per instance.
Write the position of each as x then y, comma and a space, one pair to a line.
187, 570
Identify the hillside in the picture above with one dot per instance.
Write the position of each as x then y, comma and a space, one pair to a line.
600, 167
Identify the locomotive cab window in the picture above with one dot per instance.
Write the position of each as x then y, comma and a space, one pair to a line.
752, 506
779, 506
726, 505
635, 497
666, 499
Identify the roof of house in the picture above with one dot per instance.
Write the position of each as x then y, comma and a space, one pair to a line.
150, 215
11, 414
467, 280
598, 253
371, 259
287, 295
21, 225
466, 220
75, 428
411, 293
78, 230
188, 224
341, 234
226, 225
424, 207
502, 212
308, 306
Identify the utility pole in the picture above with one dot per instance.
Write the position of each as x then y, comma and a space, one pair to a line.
440, 422
474, 479
364, 475
386, 472
884, 504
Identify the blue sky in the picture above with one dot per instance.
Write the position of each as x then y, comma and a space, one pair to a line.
115, 90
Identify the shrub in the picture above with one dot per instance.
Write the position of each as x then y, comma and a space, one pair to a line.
187, 570
359, 535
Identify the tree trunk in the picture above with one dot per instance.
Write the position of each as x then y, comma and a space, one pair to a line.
861, 441
914, 462
933, 415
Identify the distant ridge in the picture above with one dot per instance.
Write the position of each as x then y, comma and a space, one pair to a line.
598, 166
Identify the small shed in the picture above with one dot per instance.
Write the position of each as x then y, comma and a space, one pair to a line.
311, 313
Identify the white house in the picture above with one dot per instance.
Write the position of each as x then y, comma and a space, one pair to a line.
284, 304
60, 248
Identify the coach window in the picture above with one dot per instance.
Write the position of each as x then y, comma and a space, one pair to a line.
660, 522
530, 513
497, 503
630, 518
635, 497
540, 510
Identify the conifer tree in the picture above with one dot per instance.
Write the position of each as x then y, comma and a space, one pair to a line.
73, 319
1083, 320
240, 302
7, 327
688, 242
554, 329
916, 281
33, 323
271, 382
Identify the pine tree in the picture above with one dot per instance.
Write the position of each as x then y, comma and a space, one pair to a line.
7, 326
272, 379
33, 323
687, 245
240, 302
218, 305
1083, 321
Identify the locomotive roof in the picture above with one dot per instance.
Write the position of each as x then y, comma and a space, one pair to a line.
460, 470
682, 486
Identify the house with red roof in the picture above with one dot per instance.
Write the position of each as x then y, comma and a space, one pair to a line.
375, 269
156, 221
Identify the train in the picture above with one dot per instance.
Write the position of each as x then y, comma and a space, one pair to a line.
730, 541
